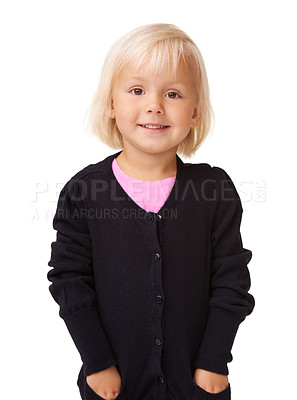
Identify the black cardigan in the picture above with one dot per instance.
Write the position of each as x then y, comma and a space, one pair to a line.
156, 294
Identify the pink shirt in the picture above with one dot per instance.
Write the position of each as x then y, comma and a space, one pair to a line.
148, 195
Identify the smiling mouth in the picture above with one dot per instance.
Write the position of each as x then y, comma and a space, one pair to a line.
154, 127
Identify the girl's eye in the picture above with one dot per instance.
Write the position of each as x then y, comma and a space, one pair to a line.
173, 95
137, 91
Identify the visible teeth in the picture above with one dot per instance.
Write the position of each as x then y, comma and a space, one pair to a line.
154, 126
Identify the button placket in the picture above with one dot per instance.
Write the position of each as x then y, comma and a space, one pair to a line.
152, 226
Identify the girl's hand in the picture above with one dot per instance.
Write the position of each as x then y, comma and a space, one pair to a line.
106, 383
210, 381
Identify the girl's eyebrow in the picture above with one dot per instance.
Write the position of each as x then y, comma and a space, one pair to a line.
135, 78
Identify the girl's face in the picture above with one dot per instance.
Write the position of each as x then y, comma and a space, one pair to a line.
154, 113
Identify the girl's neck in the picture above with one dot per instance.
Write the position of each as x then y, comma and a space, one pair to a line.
148, 167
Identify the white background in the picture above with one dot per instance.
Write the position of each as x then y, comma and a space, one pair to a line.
51, 55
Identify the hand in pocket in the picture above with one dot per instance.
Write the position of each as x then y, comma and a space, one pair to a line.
106, 383
211, 382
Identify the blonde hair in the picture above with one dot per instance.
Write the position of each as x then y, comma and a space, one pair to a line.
151, 46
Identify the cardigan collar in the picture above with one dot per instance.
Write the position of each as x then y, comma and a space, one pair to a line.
128, 202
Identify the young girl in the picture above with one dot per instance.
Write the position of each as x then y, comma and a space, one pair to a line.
149, 269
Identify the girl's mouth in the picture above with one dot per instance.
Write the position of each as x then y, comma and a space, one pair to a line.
154, 128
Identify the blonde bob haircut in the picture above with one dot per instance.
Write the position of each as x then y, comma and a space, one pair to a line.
152, 47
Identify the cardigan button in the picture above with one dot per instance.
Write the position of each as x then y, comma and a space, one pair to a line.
158, 342
157, 257
161, 379
159, 217
159, 299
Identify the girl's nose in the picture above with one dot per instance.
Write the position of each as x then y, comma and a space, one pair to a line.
155, 106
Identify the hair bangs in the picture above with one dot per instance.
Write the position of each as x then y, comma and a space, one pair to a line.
154, 57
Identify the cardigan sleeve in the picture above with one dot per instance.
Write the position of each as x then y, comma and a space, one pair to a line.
72, 280
229, 300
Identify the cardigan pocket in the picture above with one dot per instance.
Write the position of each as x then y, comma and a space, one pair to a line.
201, 394
89, 393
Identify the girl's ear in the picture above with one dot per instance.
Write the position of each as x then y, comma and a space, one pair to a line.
112, 111
195, 117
